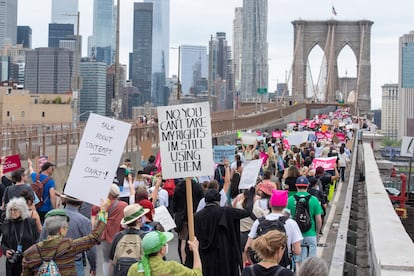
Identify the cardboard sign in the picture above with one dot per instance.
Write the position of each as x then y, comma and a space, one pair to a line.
328, 163
97, 159
221, 152
11, 163
185, 140
162, 216
250, 172
146, 148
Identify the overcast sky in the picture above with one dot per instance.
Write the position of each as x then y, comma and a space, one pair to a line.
192, 22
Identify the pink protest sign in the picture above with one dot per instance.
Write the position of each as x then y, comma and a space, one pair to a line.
11, 163
328, 163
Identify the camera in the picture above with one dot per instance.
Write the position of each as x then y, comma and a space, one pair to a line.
15, 256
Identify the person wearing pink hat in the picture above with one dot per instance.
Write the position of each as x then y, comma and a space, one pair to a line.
310, 236
278, 202
264, 191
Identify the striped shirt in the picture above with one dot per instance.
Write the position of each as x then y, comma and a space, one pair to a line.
65, 249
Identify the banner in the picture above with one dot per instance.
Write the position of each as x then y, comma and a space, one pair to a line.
221, 152
250, 172
328, 163
97, 159
277, 134
185, 140
11, 163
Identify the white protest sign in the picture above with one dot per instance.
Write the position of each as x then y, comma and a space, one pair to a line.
99, 152
248, 138
250, 172
185, 140
162, 216
297, 138
407, 147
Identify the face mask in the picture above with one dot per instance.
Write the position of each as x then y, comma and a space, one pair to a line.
143, 220
166, 248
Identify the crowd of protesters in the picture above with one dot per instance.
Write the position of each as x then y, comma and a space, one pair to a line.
230, 221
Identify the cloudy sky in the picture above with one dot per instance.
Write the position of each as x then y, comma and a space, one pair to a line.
194, 21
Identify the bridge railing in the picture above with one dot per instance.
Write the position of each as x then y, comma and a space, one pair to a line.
391, 250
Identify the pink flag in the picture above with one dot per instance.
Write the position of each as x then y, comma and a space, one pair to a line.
158, 162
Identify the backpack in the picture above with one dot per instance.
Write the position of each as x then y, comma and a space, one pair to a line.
302, 215
127, 252
38, 187
47, 268
266, 226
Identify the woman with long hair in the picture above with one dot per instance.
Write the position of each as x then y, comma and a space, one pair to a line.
270, 247
19, 233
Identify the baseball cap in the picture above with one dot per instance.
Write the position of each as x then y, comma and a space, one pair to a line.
46, 166
302, 181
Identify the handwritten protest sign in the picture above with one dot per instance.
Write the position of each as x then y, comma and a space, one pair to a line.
11, 163
163, 216
185, 140
250, 172
221, 152
97, 159
327, 163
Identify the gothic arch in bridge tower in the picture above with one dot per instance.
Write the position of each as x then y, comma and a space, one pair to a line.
332, 36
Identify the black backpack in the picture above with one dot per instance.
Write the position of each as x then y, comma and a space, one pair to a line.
266, 226
302, 215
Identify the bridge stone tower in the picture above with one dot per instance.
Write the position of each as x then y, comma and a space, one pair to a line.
332, 36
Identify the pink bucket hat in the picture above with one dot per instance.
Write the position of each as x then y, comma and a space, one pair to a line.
267, 187
279, 198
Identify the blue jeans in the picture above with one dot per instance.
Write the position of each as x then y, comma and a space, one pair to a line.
308, 246
80, 271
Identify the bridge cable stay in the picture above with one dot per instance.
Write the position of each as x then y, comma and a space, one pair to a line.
321, 84
295, 52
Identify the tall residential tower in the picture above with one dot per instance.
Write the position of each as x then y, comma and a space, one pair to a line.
254, 71
389, 110
8, 21
103, 34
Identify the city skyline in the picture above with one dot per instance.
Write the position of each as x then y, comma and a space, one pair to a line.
193, 22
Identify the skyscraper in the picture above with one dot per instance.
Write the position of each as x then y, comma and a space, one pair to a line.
406, 85
389, 114
219, 70
49, 70
237, 46
58, 32
160, 49
65, 11
141, 70
24, 36
93, 93
193, 65
8, 21
254, 71
103, 16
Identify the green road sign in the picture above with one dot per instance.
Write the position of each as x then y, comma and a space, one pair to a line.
261, 90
